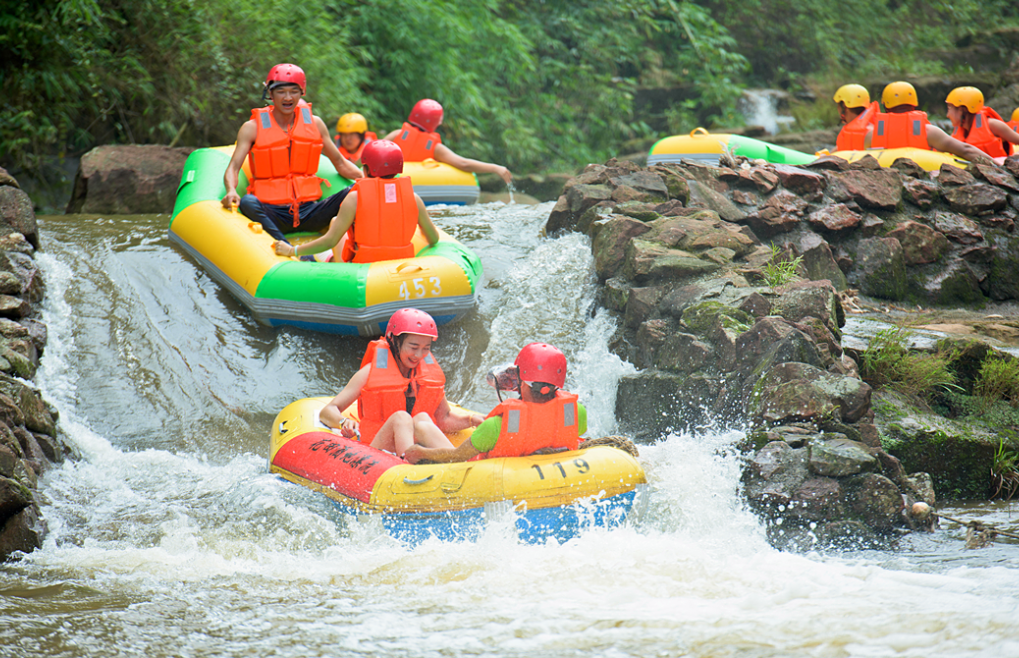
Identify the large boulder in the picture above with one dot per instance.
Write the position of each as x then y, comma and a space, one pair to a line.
128, 180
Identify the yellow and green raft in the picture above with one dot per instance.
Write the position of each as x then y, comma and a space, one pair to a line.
702, 146
342, 298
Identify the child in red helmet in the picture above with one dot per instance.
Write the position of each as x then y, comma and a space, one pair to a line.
399, 391
544, 419
378, 217
419, 141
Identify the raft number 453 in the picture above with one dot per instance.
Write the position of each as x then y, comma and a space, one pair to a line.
582, 467
419, 288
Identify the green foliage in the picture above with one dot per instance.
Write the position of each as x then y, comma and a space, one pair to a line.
1005, 472
780, 268
887, 362
998, 380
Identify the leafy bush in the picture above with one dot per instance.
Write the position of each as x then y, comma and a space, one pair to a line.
887, 362
1005, 472
998, 380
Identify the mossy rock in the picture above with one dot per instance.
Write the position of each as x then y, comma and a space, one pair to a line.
700, 318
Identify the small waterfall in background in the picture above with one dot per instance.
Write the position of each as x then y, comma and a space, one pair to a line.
760, 107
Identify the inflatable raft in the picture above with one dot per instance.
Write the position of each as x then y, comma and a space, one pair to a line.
437, 182
702, 146
342, 298
553, 495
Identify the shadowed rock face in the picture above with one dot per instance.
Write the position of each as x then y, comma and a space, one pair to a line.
28, 425
723, 335
128, 180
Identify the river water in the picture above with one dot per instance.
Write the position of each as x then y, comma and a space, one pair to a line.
169, 538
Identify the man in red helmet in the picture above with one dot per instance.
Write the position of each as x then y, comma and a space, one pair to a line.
283, 143
419, 141
378, 217
544, 419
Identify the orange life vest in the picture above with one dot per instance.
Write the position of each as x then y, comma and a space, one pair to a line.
385, 392
355, 157
853, 135
284, 163
893, 131
527, 427
980, 134
416, 144
384, 223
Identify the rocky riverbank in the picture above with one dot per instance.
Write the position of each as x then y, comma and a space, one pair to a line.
29, 439
698, 261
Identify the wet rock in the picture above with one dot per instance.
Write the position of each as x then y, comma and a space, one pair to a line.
653, 403
957, 228
799, 391
757, 305
949, 176
14, 497
782, 212
1012, 164
17, 214
922, 193
650, 337
683, 353
704, 196
909, 169
975, 199
875, 500
701, 317
746, 198
38, 416
839, 458
834, 218
610, 245
615, 294
920, 243
996, 176
800, 181
817, 299
641, 304
775, 474
639, 210
763, 179
646, 183
817, 499
670, 208
879, 189
128, 180
828, 163
880, 268
647, 261
773, 340
675, 183
951, 284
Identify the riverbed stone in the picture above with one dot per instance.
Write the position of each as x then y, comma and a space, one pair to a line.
818, 299
128, 179
611, 243
641, 303
874, 499
957, 227
775, 474
909, 169
17, 214
879, 188
839, 458
817, 499
975, 199
880, 268
920, 243
799, 391
703, 196
800, 181
951, 176
920, 192
995, 175
683, 352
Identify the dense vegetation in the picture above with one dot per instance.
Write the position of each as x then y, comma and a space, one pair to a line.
532, 83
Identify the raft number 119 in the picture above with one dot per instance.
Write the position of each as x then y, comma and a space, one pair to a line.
582, 467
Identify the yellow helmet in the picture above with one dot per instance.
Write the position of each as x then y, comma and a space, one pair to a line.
1015, 114
351, 123
852, 96
968, 97
899, 93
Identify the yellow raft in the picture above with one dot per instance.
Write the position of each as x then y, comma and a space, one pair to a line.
437, 182
551, 495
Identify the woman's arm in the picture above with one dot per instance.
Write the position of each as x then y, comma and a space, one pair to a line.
453, 420
332, 413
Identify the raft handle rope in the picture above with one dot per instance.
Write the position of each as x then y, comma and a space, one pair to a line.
283, 430
421, 481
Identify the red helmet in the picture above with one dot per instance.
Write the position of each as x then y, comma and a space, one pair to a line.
382, 158
411, 321
427, 114
287, 74
540, 362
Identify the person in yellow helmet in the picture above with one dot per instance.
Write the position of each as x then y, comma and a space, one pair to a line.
857, 112
903, 125
351, 136
978, 124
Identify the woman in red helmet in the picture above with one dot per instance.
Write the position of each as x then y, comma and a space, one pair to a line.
399, 391
379, 216
544, 419
419, 141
